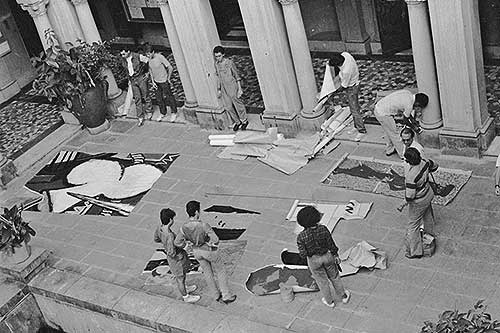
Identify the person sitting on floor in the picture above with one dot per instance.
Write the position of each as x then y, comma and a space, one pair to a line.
316, 244
177, 257
401, 101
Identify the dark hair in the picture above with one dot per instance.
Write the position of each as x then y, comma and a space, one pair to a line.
421, 100
148, 48
192, 207
407, 130
166, 215
308, 216
336, 60
219, 49
412, 156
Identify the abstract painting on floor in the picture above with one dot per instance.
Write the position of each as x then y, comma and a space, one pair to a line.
387, 178
107, 184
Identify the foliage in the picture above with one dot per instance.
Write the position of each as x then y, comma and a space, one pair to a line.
476, 320
64, 75
14, 231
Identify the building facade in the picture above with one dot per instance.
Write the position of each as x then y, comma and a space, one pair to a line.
447, 38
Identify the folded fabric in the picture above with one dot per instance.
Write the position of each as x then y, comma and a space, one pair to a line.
363, 255
330, 84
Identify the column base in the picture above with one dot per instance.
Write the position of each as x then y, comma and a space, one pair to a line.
189, 111
432, 126
8, 90
287, 123
8, 172
211, 118
358, 47
311, 121
466, 143
429, 138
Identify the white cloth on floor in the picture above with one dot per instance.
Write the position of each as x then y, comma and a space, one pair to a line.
362, 255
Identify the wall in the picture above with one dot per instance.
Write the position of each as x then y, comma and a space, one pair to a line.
320, 19
489, 16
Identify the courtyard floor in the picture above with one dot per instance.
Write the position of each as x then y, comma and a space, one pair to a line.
100, 259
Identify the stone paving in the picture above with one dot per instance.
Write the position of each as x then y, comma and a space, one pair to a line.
465, 268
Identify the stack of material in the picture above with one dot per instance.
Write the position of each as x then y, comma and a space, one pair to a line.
333, 126
271, 148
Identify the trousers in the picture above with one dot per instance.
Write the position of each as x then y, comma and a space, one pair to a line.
234, 106
419, 213
352, 97
392, 139
324, 271
140, 92
210, 262
165, 97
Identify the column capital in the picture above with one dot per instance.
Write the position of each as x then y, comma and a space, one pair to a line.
162, 2
34, 7
287, 2
79, 2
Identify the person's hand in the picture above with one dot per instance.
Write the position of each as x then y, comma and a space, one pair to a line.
402, 206
240, 93
153, 84
337, 260
497, 189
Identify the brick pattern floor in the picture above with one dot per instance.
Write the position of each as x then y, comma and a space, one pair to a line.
465, 268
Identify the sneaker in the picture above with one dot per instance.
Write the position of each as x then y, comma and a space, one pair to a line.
359, 136
190, 289
141, 122
236, 127
229, 300
149, 116
191, 298
347, 297
331, 305
160, 117
244, 125
173, 117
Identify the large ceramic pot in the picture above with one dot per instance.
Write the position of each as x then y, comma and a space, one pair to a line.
91, 109
19, 255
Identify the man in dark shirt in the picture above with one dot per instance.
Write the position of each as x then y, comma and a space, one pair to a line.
316, 244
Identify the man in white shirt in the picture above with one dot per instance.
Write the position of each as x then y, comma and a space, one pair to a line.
497, 177
399, 102
347, 69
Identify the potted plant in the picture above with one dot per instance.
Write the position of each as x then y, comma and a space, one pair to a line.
74, 80
15, 233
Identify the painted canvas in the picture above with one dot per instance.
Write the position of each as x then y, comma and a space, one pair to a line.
108, 184
387, 178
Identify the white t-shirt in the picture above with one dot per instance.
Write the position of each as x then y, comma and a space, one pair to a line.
398, 101
349, 74
498, 161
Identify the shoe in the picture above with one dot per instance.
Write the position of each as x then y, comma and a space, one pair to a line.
160, 117
244, 125
141, 122
149, 116
236, 127
173, 117
413, 257
359, 136
229, 300
332, 305
190, 289
347, 297
389, 153
191, 298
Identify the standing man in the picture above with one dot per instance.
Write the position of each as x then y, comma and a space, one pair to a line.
229, 89
205, 249
400, 101
160, 71
346, 67
137, 67
497, 177
408, 138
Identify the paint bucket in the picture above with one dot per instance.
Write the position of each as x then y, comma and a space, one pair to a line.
286, 293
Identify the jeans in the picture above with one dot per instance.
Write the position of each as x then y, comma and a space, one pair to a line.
352, 96
419, 213
165, 97
324, 270
209, 261
392, 139
141, 92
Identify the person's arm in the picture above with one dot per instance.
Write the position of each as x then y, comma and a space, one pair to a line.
168, 66
410, 190
237, 77
157, 237
153, 83
332, 247
213, 239
302, 246
180, 239
218, 83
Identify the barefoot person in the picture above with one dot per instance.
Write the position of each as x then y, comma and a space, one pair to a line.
177, 258
205, 249
316, 244
229, 89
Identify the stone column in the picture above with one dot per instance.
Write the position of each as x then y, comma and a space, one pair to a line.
352, 26
303, 66
87, 21
190, 103
65, 22
269, 45
38, 11
423, 58
197, 32
455, 28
